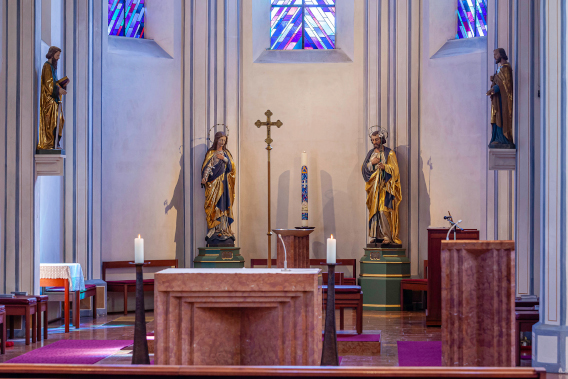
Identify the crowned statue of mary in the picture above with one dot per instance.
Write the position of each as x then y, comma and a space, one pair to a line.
218, 176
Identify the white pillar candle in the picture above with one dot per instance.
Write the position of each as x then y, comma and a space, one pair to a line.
139, 250
331, 244
304, 177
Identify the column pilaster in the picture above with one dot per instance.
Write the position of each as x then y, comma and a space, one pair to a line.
550, 334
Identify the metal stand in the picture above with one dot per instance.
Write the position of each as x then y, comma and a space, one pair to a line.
329, 356
140, 353
268, 141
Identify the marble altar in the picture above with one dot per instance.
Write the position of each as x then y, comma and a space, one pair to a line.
242, 316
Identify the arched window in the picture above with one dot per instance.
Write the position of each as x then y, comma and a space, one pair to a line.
302, 24
126, 18
472, 18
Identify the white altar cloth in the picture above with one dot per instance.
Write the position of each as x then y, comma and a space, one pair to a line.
70, 271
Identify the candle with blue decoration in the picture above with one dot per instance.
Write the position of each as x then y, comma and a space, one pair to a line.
304, 189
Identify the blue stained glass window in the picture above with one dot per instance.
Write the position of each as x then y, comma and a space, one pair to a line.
472, 18
302, 24
126, 18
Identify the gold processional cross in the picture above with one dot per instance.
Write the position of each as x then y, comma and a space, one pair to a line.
268, 141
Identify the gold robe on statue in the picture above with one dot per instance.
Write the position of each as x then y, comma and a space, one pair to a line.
502, 102
219, 193
49, 109
383, 196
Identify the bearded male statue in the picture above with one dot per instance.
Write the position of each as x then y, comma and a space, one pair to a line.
501, 94
380, 171
51, 113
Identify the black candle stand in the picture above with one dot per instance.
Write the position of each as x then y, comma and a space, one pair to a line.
140, 352
329, 356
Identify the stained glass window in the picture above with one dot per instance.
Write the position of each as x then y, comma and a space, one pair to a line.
302, 24
126, 18
472, 18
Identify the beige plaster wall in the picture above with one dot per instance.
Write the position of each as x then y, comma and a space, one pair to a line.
453, 128
322, 108
142, 139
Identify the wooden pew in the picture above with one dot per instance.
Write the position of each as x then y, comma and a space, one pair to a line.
126, 286
340, 262
415, 285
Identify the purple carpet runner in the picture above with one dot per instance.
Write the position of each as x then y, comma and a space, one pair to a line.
78, 352
419, 353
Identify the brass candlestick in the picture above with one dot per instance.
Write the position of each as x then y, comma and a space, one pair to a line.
268, 141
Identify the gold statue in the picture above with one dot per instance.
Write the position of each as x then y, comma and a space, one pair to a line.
50, 102
501, 94
380, 171
218, 176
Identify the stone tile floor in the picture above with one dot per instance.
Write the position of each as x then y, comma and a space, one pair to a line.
393, 326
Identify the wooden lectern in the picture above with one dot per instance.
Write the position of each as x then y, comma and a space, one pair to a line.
297, 243
478, 303
435, 237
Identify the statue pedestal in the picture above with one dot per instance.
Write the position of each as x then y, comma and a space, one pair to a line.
219, 257
297, 243
382, 269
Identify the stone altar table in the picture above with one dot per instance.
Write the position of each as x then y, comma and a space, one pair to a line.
237, 317
297, 247
478, 303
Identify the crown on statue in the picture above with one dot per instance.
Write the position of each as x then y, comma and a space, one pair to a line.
382, 132
215, 127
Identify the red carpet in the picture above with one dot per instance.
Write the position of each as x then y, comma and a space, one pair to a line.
419, 353
85, 352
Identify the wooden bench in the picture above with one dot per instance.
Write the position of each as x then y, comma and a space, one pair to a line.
525, 318
3, 330
41, 309
262, 262
74, 297
347, 297
340, 262
22, 306
126, 286
415, 285
346, 293
320, 262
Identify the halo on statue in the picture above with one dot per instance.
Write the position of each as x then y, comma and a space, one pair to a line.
214, 127
382, 132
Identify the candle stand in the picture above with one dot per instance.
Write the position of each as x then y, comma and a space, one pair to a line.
140, 352
329, 356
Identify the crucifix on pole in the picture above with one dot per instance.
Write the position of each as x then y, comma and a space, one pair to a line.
268, 141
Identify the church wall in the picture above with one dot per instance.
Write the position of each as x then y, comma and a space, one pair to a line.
49, 190
142, 144
453, 127
321, 106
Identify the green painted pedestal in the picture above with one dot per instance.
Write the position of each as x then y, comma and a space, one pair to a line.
219, 257
381, 273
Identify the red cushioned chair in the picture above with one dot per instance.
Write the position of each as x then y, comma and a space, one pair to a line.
415, 285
